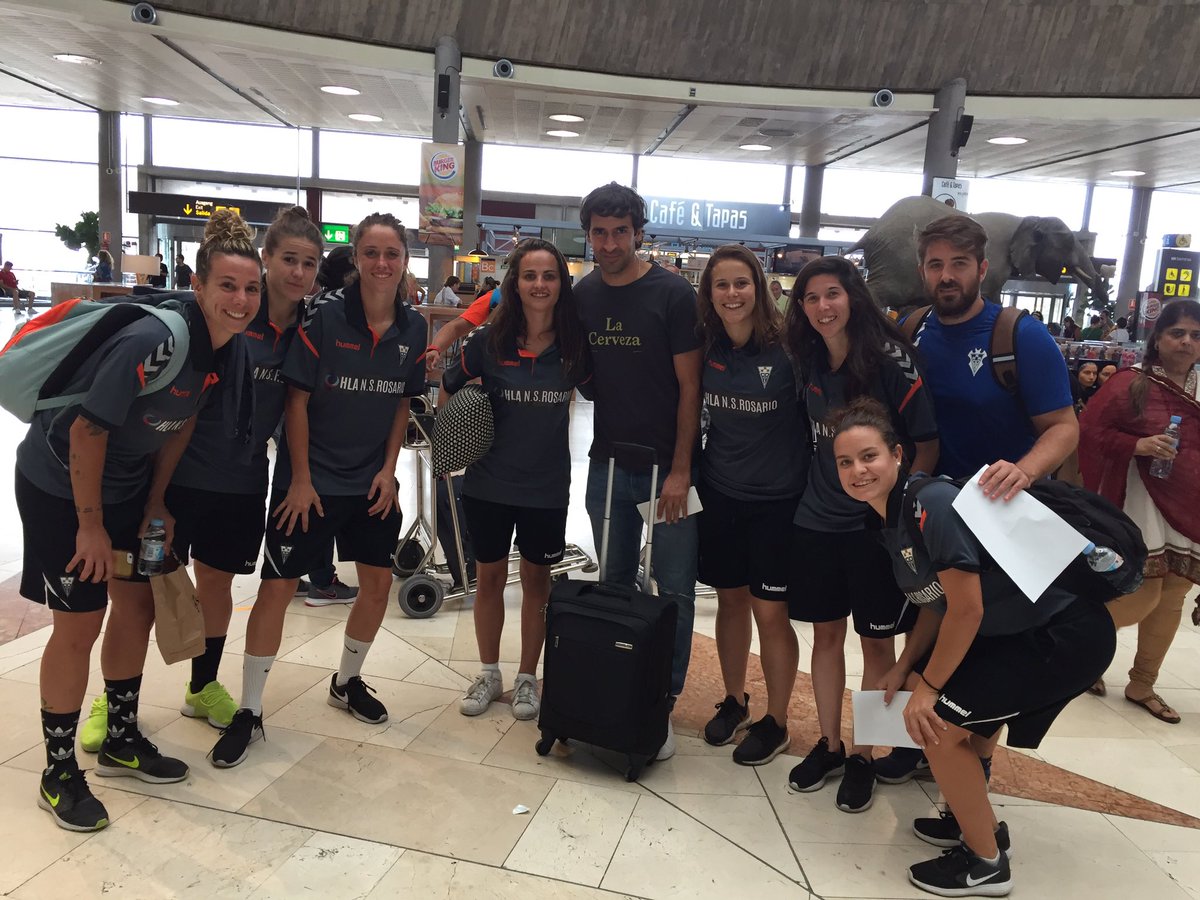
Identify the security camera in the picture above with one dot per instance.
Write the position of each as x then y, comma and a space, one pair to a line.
503, 68
144, 14
883, 99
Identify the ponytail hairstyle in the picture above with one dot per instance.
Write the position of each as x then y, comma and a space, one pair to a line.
508, 322
293, 222
865, 412
226, 233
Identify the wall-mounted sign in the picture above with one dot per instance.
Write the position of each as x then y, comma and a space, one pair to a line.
951, 191
335, 234
673, 215
442, 194
1177, 274
200, 209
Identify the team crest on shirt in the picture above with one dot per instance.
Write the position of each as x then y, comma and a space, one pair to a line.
764, 372
975, 359
907, 553
285, 551
402, 350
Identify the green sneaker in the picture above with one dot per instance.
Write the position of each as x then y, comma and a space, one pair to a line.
95, 729
66, 796
212, 702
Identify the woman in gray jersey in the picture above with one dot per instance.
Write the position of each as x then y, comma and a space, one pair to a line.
530, 359
846, 348
752, 470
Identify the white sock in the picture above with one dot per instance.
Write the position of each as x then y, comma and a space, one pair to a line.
353, 654
491, 667
528, 675
994, 861
254, 678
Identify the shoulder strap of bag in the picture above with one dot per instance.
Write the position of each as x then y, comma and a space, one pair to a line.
1004, 348
913, 321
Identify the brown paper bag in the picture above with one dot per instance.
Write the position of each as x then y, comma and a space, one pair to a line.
178, 621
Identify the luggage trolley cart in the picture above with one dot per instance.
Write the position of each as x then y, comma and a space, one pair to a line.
422, 593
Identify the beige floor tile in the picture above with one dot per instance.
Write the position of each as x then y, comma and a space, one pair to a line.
438, 648
339, 612
570, 762
469, 668
226, 856
864, 870
164, 687
701, 775
23, 650
28, 834
405, 798
23, 728
1182, 867
666, 853
411, 708
389, 657
574, 834
1154, 836
749, 822
435, 673
297, 631
1141, 767
441, 625
1089, 716
815, 818
469, 738
421, 875
329, 865
1189, 753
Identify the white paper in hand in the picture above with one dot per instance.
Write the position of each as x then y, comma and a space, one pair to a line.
693, 507
876, 725
1026, 538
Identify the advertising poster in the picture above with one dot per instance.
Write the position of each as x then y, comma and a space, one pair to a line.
441, 194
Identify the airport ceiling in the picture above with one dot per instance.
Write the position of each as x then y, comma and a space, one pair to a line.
671, 86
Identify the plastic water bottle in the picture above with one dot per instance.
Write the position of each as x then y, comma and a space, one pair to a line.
1102, 559
1161, 468
150, 556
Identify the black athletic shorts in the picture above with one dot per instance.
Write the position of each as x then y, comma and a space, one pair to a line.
1025, 680
223, 531
49, 526
541, 533
360, 538
837, 574
745, 543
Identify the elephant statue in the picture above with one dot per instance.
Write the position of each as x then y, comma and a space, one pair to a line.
1018, 247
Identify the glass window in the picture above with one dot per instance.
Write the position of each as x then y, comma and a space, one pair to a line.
39, 257
232, 147
222, 191
860, 192
133, 139
1028, 198
350, 209
1171, 212
39, 195
548, 170
710, 179
64, 134
1110, 222
370, 157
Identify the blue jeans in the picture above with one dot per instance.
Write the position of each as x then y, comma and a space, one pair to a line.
674, 558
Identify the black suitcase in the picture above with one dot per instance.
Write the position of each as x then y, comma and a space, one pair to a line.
606, 674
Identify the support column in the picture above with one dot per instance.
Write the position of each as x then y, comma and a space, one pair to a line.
447, 63
147, 239
472, 192
810, 208
1135, 246
109, 175
941, 139
636, 158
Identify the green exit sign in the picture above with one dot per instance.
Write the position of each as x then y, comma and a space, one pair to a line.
335, 234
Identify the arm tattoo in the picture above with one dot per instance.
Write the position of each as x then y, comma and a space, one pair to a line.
94, 430
87, 509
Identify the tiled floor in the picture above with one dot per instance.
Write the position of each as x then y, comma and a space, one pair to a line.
427, 804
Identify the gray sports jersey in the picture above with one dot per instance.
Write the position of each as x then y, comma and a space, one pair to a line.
136, 426
757, 446
357, 379
529, 463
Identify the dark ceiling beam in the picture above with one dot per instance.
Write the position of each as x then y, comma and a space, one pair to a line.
269, 108
882, 140
1085, 154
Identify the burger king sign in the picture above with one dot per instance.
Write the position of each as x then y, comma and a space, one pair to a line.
441, 194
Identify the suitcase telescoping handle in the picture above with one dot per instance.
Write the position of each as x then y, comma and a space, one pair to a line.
634, 456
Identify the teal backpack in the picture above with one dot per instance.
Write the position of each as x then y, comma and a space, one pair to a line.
40, 360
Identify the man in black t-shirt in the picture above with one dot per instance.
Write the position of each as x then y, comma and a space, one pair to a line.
641, 328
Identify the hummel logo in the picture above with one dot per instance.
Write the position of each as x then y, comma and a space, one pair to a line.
954, 706
775, 588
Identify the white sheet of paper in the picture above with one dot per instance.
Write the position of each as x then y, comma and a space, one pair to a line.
693, 507
1026, 538
876, 725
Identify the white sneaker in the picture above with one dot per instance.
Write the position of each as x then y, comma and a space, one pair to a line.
486, 688
667, 750
526, 702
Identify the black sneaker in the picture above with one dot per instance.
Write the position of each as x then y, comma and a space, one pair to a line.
140, 759
764, 741
67, 797
901, 765
731, 718
821, 763
302, 588
960, 873
856, 793
944, 832
236, 738
355, 696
